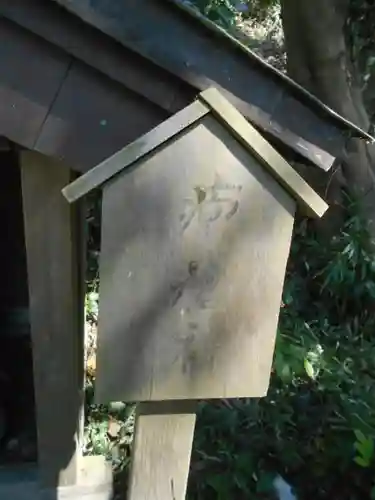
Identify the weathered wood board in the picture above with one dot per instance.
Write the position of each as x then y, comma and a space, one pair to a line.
31, 73
194, 247
99, 51
92, 117
53, 254
161, 453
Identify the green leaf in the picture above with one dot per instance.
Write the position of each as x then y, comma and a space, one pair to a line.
309, 368
285, 372
360, 447
359, 435
219, 483
366, 449
361, 461
370, 447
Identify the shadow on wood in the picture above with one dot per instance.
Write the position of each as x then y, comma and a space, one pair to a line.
163, 250
54, 258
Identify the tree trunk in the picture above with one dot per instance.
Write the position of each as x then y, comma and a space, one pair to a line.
318, 58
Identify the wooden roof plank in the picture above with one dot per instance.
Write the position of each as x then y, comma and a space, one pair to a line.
271, 126
31, 76
68, 32
280, 169
134, 151
92, 118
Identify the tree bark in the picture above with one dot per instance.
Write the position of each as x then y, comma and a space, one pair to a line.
318, 58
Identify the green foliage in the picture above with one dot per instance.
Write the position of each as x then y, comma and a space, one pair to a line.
258, 9
317, 425
108, 430
360, 28
92, 305
221, 12
365, 449
224, 12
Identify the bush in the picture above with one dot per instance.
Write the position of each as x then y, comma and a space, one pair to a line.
316, 426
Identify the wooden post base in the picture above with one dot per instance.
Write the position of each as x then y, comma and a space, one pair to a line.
94, 482
161, 455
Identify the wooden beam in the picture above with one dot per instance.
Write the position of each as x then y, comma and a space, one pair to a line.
161, 455
280, 169
135, 151
52, 246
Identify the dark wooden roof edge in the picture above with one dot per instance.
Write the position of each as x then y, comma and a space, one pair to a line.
305, 94
209, 100
84, 41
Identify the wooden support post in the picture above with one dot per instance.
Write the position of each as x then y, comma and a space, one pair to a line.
53, 255
161, 455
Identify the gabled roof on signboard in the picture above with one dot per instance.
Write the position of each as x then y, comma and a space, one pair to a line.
209, 101
109, 15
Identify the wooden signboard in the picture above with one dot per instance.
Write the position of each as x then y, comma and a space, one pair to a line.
197, 219
195, 243
195, 240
